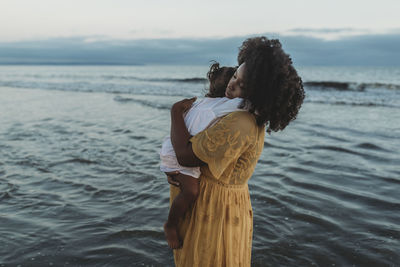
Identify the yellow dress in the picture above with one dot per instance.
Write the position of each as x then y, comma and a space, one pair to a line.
217, 230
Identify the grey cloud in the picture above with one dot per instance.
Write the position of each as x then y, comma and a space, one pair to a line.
324, 30
376, 49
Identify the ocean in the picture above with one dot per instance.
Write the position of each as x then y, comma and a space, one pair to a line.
80, 183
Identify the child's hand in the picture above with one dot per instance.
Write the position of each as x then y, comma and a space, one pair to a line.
171, 179
183, 105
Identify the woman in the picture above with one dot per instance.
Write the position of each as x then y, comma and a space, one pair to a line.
217, 230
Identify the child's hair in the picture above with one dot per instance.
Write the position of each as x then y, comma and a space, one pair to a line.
219, 78
273, 90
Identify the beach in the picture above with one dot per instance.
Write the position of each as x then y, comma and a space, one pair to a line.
80, 183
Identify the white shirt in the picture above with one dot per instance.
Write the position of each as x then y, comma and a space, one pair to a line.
200, 116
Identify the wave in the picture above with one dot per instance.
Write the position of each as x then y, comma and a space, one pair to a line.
87, 87
364, 99
73, 160
90, 86
80, 77
142, 102
183, 80
350, 103
349, 86
370, 146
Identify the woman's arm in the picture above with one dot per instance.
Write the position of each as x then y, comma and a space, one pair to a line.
180, 135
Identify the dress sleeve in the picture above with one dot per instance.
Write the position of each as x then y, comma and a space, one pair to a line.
222, 144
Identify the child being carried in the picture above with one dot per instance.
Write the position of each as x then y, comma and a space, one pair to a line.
219, 101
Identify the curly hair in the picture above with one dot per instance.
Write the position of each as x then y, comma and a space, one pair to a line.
219, 78
274, 90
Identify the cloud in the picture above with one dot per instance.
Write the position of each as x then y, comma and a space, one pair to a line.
327, 33
323, 30
367, 49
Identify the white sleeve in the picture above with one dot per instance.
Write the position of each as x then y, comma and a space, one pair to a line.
227, 107
201, 121
167, 148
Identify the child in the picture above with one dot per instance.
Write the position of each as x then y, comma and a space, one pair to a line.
219, 102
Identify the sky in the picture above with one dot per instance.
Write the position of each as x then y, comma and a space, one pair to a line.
105, 31
130, 19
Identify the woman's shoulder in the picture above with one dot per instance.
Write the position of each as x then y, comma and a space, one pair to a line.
242, 120
243, 115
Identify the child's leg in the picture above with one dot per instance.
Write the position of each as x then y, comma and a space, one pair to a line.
189, 191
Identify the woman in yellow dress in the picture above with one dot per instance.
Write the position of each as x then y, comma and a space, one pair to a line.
217, 230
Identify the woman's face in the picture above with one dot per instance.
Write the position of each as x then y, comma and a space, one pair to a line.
235, 86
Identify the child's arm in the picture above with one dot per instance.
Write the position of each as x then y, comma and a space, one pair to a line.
180, 135
171, 178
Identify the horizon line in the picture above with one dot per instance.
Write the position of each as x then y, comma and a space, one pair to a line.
326, 34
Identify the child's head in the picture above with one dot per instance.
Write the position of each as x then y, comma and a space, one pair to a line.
235, 87
273, 91
219, 78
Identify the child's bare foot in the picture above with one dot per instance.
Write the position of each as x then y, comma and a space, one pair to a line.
171, 233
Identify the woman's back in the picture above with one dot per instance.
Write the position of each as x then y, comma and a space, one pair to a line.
218, 230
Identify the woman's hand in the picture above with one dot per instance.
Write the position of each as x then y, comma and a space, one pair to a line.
183, 105
171, 179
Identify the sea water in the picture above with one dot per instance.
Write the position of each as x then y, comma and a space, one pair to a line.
79, 168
